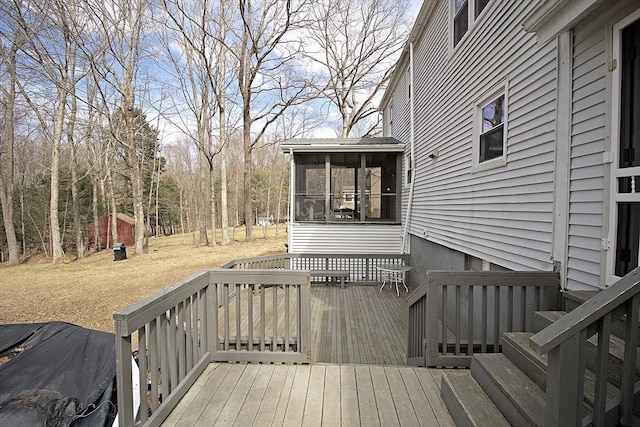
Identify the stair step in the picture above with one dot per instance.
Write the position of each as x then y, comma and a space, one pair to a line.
467, 403
515, 345
516, 348
616, 358
573, 299
517, 396
542, 319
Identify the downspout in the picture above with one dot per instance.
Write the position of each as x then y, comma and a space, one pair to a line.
412, 157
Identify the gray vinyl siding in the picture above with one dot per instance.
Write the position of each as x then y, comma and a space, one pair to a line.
503, 215
588, 132
402, 125
345, 238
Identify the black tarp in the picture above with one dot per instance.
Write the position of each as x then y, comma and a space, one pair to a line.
56, 374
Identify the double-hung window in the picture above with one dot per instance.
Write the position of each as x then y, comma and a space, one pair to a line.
490, 140
465, 12
492, 136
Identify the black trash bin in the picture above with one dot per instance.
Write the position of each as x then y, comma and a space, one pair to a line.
119, 251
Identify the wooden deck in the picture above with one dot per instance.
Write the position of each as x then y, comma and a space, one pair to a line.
358, 324
358, 342
230, 394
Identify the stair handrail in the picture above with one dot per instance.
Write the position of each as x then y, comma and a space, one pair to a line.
564, 342
586, 314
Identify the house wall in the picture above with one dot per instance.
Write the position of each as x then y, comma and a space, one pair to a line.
589, 177
505, 214
344, 238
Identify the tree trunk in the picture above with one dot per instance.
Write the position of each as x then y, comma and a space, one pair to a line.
248, 163
6, 171
212, 201
56, 240
279, 204
181, 211
94, 206
135, 175
224, 206
112, 201
75, 199
224, 209
202, 212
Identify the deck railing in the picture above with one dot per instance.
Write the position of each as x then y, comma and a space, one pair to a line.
362, 267
565, 343
211, 316
457, 313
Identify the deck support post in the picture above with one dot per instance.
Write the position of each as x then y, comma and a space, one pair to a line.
565, 383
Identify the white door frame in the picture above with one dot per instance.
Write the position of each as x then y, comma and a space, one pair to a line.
616, 173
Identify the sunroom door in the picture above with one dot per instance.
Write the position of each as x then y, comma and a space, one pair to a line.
625, 213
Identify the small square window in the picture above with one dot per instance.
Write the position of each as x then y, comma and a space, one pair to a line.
408, 167
491, 129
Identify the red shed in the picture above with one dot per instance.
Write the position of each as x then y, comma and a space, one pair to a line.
126, 231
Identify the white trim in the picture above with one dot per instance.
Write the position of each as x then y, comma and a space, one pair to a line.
292, 192
501, 89
405, 248
389, 131
611, 278
552, 17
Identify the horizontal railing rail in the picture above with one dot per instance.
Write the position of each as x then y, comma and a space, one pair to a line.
565, 343
362, 267
456, 313
210, 316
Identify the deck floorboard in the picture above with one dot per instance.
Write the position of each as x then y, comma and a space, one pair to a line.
321, 395
358, 347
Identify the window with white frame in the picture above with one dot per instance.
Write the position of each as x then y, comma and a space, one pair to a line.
491, 133
465, 12
408, 166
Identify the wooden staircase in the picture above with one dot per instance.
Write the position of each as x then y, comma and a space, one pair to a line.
508, 388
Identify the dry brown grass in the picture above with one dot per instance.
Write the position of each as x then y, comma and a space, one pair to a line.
89, 291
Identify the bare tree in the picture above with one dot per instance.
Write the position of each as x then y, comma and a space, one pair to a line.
121, 27
51, 37
356, 43
199, 27
8, 49
266, 76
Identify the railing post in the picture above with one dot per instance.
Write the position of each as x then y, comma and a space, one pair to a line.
304, 316
431, 328
123, 378
210, 315
565, 383
630, 357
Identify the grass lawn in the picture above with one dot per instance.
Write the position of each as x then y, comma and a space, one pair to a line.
87, 292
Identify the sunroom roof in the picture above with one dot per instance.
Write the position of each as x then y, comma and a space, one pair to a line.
342, 144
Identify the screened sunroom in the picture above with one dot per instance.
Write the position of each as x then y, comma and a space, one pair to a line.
343, 188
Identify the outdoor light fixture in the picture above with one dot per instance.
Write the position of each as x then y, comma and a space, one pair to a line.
434, 154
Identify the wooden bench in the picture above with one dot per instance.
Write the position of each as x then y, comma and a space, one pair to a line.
338, 274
